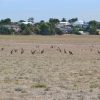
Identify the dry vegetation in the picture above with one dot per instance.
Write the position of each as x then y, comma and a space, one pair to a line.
50, 67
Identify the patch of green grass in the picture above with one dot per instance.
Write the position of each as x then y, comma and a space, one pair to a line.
39, 86
47, 89
91, 90
94, 85
18, 89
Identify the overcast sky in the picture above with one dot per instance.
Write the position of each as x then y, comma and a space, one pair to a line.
44, 9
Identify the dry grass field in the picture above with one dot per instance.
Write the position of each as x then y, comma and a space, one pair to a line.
50, 67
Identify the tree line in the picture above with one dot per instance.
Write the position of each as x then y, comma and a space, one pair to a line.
45, 28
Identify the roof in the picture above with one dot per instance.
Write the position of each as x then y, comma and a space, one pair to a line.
64, 23
79, 22
27, 22
9, 26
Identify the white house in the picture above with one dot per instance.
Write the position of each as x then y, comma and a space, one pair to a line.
15, 27
25, 23
81, 23
61, 24
78, 23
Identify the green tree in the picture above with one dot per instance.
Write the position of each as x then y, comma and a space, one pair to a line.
26, 31
42, 21
31, 19
59, 32
76, 30
64, 20
73, 20
52, 28
21, 21
54, 20
44, 29
93, 27
31, 27
5, 31
37, 30
5, 21
23, 26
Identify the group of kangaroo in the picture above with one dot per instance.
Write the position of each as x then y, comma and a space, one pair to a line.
34, 51
22, 51
42, 51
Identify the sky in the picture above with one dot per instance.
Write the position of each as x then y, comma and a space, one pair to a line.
45, 9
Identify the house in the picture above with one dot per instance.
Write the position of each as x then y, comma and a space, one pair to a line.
78, 23
85, 25
62, 24
26, 23
98, 25
98, 30
15, 27
67, 29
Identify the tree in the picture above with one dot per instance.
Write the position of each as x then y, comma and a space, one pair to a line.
93, 27
73, 20
31, 19
21, 21
42, 21
44, 29
5, 21
37, 30
5, 31
64, 20
54, 21
52, 28
59, 32
23, 26
26, 31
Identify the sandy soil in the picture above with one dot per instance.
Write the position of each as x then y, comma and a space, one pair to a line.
52, 75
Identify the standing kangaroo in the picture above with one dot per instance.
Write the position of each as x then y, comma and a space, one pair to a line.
11, 51
33, 52
22, 51
42, 51
65, 51
70, 53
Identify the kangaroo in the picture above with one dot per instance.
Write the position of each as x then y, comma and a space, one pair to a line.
22, 51
98, 52
70, 53
15, 50
11, 52
42, 51
65, 51
33, 52
52, 46
2, 48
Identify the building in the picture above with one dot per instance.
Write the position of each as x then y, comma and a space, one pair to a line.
26, 23
62, 24
98, 31
78, 23
98, 25
85, 25
15, 27
67, 29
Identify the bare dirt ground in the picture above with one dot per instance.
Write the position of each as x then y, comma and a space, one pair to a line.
53, 74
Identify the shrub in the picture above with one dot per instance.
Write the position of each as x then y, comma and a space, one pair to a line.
39, 86
18, 89
59, 32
